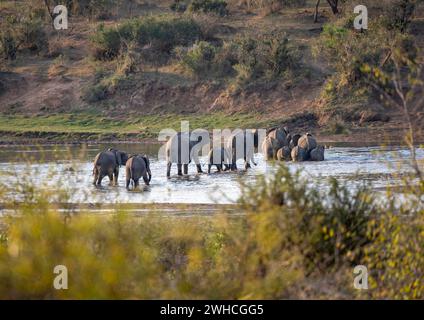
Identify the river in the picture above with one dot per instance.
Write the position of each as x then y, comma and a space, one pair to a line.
71, 167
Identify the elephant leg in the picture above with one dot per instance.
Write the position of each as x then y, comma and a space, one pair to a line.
128, 183
136, 183
246, 164
168, 169
96, 176
219, 167
179, 167
199, 168
115, 175
146, 179
110, 175
99, 181
186, 169
209, 168
233, 166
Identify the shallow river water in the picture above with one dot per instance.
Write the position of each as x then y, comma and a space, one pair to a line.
71, 166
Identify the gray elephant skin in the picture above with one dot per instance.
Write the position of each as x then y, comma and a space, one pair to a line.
241, 145
308, 143
138, 167
181, 149
276, 139
298, 154
107, 163
317, 154
220, 158
284, 154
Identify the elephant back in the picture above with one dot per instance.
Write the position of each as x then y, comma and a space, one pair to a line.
317, 154
279, 137
298, 154
307, 142
284, 154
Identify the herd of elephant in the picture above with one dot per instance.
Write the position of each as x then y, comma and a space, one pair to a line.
278, 144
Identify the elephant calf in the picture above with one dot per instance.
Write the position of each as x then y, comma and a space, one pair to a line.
220, 158
136, 167
284, 154
107, 163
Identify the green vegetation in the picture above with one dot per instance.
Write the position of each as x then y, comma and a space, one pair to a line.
162, 33
143, 127
288, 239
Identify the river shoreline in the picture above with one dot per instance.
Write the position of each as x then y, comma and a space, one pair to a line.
359, 137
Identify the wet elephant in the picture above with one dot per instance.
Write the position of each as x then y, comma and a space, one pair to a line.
107, 163
181, 149
241, 145
317, 154
276, 139
284, 154
138, 167
298, 154
308, 143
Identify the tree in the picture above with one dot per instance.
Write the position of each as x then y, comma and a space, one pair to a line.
399, 81
333, 5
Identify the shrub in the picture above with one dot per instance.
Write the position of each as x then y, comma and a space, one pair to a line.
199, 58
21, 32
162, 33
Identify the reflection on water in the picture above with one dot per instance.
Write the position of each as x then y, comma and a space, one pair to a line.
72, 167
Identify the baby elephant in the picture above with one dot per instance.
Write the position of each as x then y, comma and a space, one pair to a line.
136, 167
219, 157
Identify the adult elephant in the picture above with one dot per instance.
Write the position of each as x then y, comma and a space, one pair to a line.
241, 144
136, 167
107, 163
308, 143
294, 140
182, 148
276, 139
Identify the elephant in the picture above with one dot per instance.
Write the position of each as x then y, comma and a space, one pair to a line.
107, 163
308, 143
317, 154
136, 167
298, 154
276, 139
222, 159
241, 145
175, 152
284, 154
294, 140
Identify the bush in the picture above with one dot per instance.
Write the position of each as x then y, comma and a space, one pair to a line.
199, 59
21, 32
162, 33
268, 56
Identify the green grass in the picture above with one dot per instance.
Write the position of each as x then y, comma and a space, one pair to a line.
140, 126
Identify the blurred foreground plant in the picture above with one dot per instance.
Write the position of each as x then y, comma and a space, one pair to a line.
290, 240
